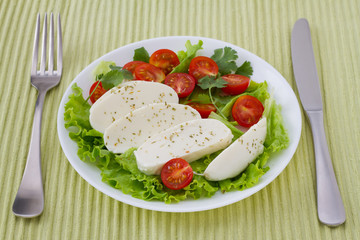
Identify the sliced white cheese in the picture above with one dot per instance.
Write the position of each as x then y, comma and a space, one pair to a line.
139, 125
234, 159
120, 100
113, 90
189, 140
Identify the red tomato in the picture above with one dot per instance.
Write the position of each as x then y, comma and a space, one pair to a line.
247, 110
99, 91
164, 59
203, 109
203, 66
149, 72
176, 174
182, 83
130, 66
237, 84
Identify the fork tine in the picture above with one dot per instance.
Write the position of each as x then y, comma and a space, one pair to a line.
51, 46
59, 48
36, 46
43, 50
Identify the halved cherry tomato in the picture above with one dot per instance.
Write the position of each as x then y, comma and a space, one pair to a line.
203, 109
149, 72
164, 59
203, 66
176, 174
247, 110
182, 83
99, 91
130, 66
237, 84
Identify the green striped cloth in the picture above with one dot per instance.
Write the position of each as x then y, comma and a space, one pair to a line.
285, 209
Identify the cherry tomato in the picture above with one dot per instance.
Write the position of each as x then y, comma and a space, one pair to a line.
203, 109
176, 174
237, 84
99, 91
247, 110
149, 72
164, 59
130, 66
203, 66
182, 83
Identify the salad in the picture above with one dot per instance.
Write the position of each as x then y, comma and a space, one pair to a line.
214, 86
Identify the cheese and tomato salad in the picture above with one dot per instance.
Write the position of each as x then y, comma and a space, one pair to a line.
169, 126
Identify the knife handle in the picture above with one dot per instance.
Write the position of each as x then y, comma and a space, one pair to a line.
330, 206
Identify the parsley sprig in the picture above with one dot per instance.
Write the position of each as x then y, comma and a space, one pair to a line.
210, 82
245, 69
141, 54
225, 59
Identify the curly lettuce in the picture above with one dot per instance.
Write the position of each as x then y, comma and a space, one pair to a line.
186, 57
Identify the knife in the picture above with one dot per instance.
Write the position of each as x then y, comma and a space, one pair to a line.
329, 203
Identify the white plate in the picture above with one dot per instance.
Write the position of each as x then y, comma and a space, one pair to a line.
281, 90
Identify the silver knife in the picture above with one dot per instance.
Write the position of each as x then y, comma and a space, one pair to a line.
329, 203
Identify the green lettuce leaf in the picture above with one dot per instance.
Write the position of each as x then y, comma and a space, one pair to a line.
258, 90
277, 137
247, 179
186, 57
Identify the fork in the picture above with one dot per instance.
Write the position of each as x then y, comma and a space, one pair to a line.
29, 200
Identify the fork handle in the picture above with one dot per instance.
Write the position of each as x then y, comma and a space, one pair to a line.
330, 206
29, 200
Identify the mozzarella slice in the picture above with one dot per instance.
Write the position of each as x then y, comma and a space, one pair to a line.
113, 90
139, 125
189, 140
126, 97
234, 159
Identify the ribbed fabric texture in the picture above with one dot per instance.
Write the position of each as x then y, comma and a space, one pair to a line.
285, 209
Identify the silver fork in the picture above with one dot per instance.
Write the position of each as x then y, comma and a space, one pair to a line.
29, 200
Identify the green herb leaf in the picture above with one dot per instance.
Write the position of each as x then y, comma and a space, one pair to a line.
209, 82
225, 59
113, 67
186, 57
115, 77
202, 98
245, 69
141, 54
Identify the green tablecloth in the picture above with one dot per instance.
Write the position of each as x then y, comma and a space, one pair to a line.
285, 209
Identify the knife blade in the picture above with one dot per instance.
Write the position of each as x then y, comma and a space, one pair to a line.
330, 207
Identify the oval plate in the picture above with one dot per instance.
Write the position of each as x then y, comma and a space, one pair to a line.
278, 86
